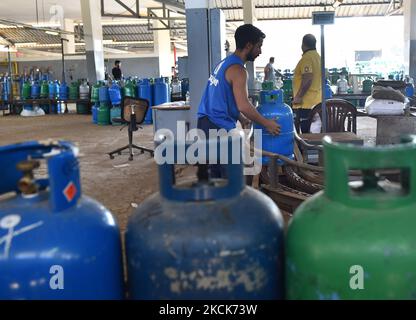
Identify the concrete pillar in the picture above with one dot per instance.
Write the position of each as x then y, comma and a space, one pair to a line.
162, 48
198, 53
410, 37
249, 16
93, 33
69, 46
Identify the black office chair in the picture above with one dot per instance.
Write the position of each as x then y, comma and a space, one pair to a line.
133, 113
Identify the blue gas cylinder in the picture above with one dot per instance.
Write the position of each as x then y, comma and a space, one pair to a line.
185, 87
273, 107
94, 111
54, 108
6, 89
144, 91
28, 107
57, 89
410, 90
52, 90
55, 243
103, 95
35, 90
115, 94
63, 91
328, 90
214, 240
161, 92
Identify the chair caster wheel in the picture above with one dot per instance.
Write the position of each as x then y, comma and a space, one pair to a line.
119, 153
112, 157
131, 158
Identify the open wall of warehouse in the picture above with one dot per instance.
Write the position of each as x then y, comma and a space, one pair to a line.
77, 69
342, 41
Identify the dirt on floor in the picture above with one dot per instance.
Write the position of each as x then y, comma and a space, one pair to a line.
118, 184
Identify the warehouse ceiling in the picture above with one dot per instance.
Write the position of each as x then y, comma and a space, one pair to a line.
133, 34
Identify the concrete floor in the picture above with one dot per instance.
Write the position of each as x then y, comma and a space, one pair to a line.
118, 184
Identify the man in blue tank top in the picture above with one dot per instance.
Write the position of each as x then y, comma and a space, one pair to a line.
225, 100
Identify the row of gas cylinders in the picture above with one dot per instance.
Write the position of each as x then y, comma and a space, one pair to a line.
6, 88
55, 90
287, 88
109, 98
104, 114
208, 240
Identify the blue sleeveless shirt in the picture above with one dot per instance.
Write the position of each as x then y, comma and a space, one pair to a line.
218, 103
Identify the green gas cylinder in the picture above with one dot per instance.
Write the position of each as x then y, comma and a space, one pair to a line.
95, 92
129, 89
288, 91
104, 114
44, 89
267, 85
357, 240
74, 91
367, 86
26, 90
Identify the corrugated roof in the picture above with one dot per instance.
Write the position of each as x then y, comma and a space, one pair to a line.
265, 10
302, 9
127, 33
19, 35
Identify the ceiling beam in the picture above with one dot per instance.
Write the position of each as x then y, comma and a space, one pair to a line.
39, 52
174, 4
317, 5
2, 37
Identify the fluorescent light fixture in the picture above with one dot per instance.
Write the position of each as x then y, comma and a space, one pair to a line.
46, 25
5, 26
26, 44
53, 33
131, 42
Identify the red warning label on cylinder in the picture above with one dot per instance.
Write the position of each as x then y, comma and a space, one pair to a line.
70, 191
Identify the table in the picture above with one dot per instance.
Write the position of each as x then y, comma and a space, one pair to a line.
340, 137
167, 116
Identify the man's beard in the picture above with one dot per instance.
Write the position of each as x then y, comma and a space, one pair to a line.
250, 57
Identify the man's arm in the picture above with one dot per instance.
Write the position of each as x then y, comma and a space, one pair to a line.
266, 72
304, 87
237, 77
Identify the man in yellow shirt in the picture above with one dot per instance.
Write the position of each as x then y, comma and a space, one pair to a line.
307, 82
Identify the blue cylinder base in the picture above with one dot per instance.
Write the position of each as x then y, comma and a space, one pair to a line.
90, 262
219, 250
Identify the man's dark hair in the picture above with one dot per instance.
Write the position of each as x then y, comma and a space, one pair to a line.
117, 62
247, 33
309, 41
271, 59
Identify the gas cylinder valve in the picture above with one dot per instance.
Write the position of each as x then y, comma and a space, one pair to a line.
27, 184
